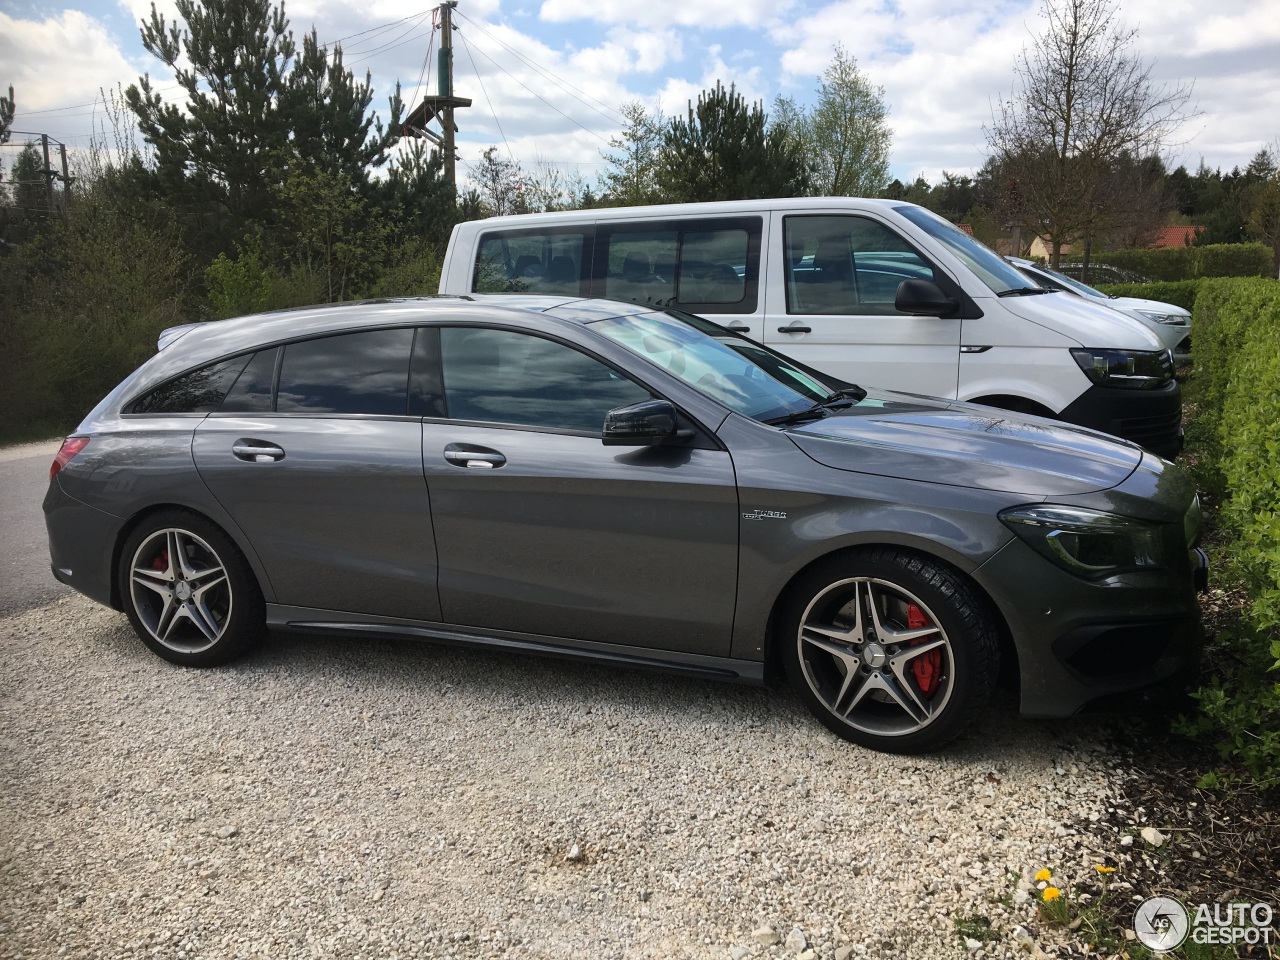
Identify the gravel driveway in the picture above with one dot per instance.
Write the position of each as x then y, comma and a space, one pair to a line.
353, 799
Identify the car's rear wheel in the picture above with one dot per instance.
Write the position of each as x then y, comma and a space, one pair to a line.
188, 591
890, 649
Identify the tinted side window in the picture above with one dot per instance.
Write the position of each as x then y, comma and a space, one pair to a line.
200, 391
365, 372
704, 266
642, 267
252, 390
500, 376
555, 261
853, 265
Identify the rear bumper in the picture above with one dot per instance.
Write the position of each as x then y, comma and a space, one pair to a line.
81, 543
1150, 418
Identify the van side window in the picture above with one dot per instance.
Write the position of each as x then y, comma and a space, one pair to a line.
550, 261
703, 266
642, 267
847, 264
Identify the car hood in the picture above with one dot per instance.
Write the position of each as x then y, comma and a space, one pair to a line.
1088, 322
964, 444
1137, 303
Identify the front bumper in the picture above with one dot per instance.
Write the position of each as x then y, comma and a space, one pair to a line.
1149, 418
1130, 640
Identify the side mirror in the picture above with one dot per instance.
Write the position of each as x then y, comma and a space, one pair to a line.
639, 424
923, 298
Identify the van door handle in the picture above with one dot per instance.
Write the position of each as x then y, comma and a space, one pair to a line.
737, 327
795, 327
257, 451
477, 458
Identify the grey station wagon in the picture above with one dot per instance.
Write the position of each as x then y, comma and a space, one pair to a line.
586, 478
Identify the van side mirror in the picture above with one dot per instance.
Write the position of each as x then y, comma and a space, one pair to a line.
640, 424
923, 298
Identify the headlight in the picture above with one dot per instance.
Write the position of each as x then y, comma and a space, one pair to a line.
1173, 319
1132, 369
1088, 543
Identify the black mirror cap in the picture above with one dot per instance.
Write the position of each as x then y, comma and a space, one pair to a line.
923, 298
640, 424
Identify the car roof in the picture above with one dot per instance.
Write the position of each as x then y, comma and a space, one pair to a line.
261, 329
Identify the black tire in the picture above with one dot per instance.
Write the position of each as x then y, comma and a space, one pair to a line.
913, 687
203, 610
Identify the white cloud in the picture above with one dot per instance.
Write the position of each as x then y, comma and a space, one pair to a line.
703, 13
56, 62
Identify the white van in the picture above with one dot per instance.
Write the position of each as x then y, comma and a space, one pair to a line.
875, 292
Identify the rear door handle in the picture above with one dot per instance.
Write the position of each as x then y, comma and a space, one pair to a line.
796, 327
477, 458
257, 451
737, 327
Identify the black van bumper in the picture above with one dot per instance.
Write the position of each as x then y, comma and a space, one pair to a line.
1150, 418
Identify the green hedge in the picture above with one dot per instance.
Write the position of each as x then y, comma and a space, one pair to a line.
1180, 292
1188, 263
1237, 325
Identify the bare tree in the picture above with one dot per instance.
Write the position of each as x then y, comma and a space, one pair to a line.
1083, 101
500, 184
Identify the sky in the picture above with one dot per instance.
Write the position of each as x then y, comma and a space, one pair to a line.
547, 76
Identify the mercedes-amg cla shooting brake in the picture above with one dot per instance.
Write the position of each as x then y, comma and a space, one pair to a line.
586, 478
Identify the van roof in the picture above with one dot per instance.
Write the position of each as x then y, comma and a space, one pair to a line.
674, 211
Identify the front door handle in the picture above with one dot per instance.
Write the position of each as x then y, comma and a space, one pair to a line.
478, 458
795, 327
257, 451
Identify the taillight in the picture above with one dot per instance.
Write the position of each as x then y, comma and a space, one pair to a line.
70, 447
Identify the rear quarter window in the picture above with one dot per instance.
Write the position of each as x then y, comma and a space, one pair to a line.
200, 391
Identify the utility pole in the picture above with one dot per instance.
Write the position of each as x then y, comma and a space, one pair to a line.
48, 170
441, 106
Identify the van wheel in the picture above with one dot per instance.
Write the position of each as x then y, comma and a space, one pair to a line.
889, 649
189, 594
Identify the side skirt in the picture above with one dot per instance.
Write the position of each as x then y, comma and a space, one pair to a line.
310, 620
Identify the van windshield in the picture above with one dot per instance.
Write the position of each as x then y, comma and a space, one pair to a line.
738, 373
990, 267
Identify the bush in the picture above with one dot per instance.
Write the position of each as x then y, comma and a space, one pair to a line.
1238, 366
82, 307
1179, 292
1188, 263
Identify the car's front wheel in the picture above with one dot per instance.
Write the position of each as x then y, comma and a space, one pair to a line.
890, 649
188, 592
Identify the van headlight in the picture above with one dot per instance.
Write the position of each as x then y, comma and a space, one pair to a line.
1172, 319
1131, 369
1088, 543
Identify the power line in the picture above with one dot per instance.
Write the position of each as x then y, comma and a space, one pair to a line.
467, 46
548, 74
425, 60
544, 99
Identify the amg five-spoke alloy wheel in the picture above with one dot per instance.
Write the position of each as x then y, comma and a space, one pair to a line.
890, 650
188, 592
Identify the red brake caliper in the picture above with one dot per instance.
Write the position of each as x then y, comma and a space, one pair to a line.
161, 562
926, 668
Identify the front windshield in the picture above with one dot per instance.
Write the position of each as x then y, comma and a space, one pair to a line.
990, 267
741, 375
1074, 285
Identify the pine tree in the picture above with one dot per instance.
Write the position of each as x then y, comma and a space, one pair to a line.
724, 150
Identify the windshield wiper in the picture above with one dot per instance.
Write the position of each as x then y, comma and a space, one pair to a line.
838, 400
1025, 292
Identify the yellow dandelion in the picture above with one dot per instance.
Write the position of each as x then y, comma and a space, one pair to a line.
1101, 869
1043, 875
1051, 894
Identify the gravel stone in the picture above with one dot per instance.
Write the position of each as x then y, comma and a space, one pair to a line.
401, 800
